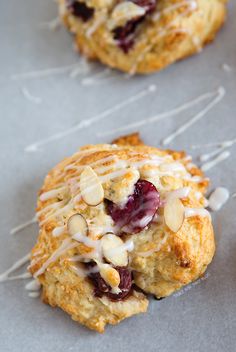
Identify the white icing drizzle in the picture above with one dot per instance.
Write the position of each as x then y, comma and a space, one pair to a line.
220, 149
220, 93
46, 73
161, 116
221, 157
190, 212
218, 198
63, 209
208, 156
168, 9
83, 68
87, 241
97, 23
179, 193
23, 276
82, 272
79, 271
220, 154
18, 264
227, 68
34, 294
23, 226
52, 194
189, 166
198, 195
30, 97
88, 122
127, 246
53, 25
55, 205
197, 179
64, 247
93, 164
224, 144
101, 77
36, 260
33, 285
112, 175
58, 231
195, 39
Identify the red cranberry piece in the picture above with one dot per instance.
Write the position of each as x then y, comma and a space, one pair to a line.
80, 9
139, 210
102, 288
125, 35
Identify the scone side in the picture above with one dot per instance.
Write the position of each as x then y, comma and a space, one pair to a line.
63, 288
177, 264
95, 315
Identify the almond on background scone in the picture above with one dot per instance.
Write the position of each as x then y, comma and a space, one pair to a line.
142, 36
118, 221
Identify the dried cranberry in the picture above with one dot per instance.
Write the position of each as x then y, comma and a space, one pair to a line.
125, 35
102, 288
139, 210
80, 9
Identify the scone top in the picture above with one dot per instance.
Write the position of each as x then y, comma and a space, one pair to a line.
100, 202
121, 18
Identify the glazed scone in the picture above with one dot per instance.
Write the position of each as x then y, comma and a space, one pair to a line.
117, 218
142, 36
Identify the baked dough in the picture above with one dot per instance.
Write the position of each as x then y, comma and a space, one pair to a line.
142, 36
161, 260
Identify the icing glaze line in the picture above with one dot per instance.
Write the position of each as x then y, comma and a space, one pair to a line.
53, 25
218, 159
45, 73
218, 198
88, 122
98, 77
220, 93
23, 226
228, 143
18, 264
166, 114
30, 97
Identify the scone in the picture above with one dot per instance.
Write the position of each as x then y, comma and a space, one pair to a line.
117, 221
142, 36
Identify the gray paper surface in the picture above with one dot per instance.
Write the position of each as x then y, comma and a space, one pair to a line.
203, 317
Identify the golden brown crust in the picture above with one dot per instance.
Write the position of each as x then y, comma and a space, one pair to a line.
178, 33
162, 261
133, 139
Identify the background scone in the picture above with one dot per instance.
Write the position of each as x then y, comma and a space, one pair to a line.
142, 36
117, 217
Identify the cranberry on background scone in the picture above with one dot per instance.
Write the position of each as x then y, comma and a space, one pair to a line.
117, 218
142, 36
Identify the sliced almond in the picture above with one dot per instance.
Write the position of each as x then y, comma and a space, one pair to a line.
114, 250
174, 214
91, 188
77, 225
110, 275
